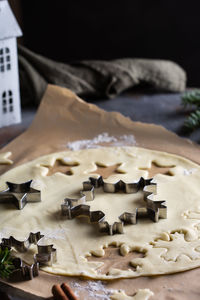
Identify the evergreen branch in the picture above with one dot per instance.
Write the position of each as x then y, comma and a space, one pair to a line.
193, 121
6, 263
191, 98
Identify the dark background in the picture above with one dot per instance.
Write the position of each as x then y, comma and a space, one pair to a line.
69, 30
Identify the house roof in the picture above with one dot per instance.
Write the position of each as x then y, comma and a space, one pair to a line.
8, 24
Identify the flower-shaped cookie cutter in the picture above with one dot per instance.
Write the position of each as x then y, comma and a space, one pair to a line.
20, 194
154, 210
46, 255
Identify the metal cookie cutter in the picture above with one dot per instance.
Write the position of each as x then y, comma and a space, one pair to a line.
153, 209
23, 271
46, 255
20, 194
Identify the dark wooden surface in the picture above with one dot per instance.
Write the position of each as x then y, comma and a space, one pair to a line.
160, 109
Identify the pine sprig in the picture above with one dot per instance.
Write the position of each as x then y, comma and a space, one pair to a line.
193, 121
191, 98
6, 263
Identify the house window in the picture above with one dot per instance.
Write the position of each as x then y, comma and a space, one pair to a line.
5, 64
7, 102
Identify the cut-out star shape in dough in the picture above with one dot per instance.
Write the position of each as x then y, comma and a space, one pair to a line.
110, 261
106, 171
4, 160
157, 169
178, 246
61, 166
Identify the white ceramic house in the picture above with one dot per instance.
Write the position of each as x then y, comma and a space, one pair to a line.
10, 110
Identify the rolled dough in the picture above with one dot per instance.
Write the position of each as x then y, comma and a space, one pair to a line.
171, 245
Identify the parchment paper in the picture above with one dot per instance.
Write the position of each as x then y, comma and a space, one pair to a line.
63, 117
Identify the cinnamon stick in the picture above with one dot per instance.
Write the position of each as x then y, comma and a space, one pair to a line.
58, 293
69, 292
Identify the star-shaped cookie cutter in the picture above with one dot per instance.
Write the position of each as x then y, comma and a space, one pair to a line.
20, 194
154, 210
46, 255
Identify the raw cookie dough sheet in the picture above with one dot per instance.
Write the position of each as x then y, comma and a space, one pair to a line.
168, 246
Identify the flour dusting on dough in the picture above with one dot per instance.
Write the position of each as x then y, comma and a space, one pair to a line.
189, 172
102, 138
97, 290
54, 234
94, 290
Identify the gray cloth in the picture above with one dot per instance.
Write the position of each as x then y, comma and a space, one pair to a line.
97, 79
